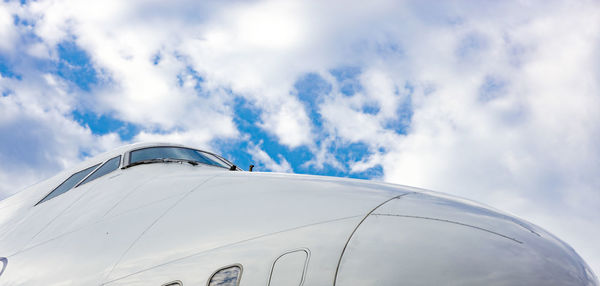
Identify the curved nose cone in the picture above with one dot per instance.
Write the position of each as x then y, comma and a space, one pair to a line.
421, 239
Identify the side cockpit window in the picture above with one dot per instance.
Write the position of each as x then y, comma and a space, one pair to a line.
83, 177
68, 183
108, 167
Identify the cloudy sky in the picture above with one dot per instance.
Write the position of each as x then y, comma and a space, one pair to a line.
496, 101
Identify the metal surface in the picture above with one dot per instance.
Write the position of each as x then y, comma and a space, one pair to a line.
154, 223
420, 239
236, 206
257, 256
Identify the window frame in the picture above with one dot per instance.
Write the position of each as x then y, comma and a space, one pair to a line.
97, 166
239, 278
127, 157
97, 169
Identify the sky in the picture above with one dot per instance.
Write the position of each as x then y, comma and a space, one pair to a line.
495, 101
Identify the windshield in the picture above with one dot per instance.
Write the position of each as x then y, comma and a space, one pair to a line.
178, 153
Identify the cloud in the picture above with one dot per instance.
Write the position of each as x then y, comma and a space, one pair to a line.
156, 62
7, 29
38, 137
263, 160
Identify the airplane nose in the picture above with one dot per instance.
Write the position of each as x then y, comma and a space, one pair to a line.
424, 239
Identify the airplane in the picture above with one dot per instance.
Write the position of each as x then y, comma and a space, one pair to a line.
169, 215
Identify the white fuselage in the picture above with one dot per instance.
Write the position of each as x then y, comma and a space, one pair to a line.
156, 223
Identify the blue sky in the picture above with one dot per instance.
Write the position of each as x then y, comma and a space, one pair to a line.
494, 101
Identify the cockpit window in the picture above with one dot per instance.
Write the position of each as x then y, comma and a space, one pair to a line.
68, 183
108, 167
217, 159
175, 153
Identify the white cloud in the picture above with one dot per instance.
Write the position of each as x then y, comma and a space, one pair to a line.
264, 161
289, 122
38, 137
381, 88
268, 26
225, 47
7, 29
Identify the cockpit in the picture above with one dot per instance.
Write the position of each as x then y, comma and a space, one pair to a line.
139, 156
